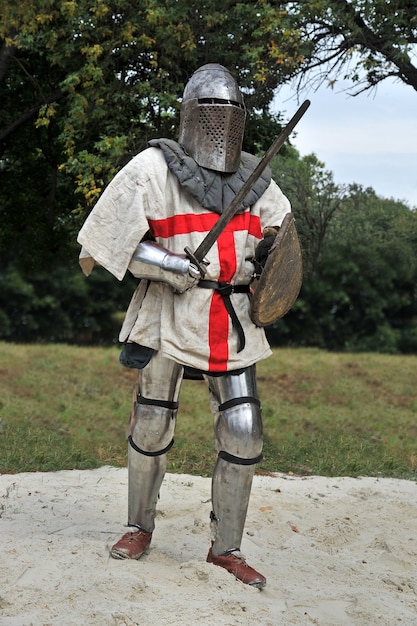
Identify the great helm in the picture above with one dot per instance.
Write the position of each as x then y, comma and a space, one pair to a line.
212, 120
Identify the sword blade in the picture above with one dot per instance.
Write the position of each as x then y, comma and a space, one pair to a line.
233, 207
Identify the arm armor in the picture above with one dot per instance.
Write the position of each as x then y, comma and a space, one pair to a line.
154, 262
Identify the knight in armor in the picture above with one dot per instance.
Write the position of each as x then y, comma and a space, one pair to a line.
165, 199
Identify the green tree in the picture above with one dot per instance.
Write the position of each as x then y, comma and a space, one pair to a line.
315, 198
85, 84
60, 305
377, 239
359, 40
362, 293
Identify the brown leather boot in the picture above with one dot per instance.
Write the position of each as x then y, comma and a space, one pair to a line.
131, 545
236, 565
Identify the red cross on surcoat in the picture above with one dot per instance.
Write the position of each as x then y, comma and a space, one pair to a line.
218, 328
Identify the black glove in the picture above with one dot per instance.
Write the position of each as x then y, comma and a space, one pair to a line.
261, 253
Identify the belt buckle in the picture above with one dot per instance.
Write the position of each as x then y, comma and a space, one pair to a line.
224, 289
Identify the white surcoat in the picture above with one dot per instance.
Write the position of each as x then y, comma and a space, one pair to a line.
192, 328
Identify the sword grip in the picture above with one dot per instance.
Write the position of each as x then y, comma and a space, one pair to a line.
201, 265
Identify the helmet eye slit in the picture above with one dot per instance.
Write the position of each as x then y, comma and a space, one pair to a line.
220, 101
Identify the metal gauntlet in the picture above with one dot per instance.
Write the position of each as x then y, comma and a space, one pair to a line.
154, 262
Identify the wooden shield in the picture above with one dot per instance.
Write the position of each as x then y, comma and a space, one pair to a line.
280, 282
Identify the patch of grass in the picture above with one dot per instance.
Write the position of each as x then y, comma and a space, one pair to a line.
65, 407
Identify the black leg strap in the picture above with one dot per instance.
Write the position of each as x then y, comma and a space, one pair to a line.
135, 447
166, 404
236, 460
236, 401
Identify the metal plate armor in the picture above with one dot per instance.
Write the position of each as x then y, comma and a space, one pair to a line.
212, 120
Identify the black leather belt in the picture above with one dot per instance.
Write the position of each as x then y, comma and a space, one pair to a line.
225, 290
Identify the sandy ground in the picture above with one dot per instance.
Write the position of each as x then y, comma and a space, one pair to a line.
334, 551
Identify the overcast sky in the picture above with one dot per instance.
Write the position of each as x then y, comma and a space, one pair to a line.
370, 139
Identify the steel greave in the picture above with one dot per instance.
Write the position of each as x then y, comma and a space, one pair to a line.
231, 488
238, 433
146, 474
152, 431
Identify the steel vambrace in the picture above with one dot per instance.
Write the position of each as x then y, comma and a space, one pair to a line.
154, 262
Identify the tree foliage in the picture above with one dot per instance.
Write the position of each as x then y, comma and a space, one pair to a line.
315, 198
61, 305
359, 40
360, 258
84, 85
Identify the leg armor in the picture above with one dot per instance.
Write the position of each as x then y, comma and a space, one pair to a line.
239, 440
151, 436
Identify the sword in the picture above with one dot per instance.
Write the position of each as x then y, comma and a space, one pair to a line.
198, 257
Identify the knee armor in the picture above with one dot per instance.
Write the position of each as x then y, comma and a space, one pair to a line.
153, 431
238, 431
238, 419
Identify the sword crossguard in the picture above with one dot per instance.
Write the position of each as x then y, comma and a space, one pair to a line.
200, 265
